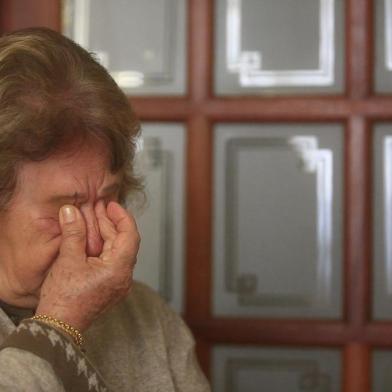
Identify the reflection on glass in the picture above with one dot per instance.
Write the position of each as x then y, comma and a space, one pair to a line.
155, 252
128, 79
381, 370
310, 160
160, 160
145, 57
277, 221
388, 210
241, 368
383, 46
248, 64
382, 221
320, 161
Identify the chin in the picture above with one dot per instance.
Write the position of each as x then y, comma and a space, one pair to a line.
31, 299
28, 301
32, 303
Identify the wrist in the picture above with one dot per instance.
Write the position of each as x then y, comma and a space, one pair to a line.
64, 314
64, 327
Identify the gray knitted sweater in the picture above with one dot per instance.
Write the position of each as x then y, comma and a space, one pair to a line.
139, 345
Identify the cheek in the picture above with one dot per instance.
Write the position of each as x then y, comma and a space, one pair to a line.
49, 241
42, 247
48, 227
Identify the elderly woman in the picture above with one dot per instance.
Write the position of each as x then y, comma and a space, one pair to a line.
67, 247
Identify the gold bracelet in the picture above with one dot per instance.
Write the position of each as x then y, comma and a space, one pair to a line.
73, 332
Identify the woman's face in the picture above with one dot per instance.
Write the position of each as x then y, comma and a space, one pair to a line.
30, 235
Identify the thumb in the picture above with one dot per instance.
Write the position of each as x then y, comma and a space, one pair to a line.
73, 230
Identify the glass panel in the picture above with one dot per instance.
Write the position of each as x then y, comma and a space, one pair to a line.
382, 371
383, 57
245, 369
382, 240
277, 227
142, 43
161, 220
279, 47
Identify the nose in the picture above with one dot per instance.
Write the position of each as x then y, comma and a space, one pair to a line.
94, 243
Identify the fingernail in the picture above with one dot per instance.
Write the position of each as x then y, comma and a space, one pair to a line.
68, 214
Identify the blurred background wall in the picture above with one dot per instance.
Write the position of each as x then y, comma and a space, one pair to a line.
267, 151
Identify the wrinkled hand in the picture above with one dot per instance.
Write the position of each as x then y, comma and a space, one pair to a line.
79, 288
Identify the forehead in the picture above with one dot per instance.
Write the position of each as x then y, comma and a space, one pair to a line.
94, 157
83, 170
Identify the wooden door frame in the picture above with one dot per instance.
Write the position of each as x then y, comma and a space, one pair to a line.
357, 108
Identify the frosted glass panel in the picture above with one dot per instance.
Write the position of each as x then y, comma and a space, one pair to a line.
382, 240
383, 57
278, 218
245, 369
161, 221
142, 43
279, 47
382, 371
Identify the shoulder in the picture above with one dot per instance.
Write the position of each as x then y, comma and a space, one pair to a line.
142, 299
148, 305
141, 293
143, 313
142, 309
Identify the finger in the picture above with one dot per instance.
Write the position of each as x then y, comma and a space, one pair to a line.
106, 228
73, 229
120, 217
127, 240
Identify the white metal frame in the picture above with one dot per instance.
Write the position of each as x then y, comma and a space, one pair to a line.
388, 34
248, 64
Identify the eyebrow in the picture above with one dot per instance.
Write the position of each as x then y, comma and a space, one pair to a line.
64, 199
108, 190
